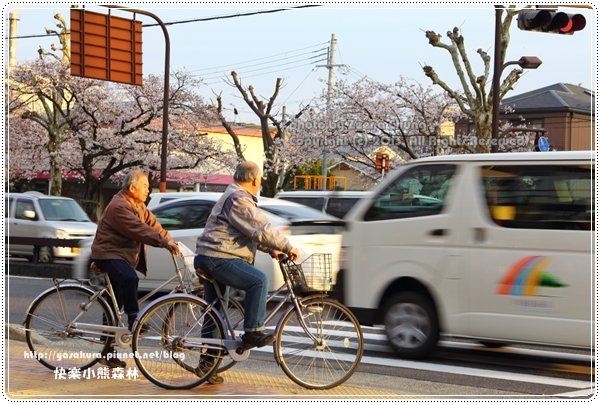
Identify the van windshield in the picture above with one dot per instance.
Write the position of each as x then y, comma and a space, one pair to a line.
63, 210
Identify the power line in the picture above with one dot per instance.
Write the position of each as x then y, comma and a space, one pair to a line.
244, 64
302, 82
243, 71
278, 10
223, 17
273, 71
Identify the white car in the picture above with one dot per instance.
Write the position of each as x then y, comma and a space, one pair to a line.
184, 217
35, 215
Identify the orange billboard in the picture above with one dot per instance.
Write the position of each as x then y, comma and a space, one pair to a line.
106, 47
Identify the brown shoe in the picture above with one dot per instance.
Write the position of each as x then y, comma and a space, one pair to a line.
215, 378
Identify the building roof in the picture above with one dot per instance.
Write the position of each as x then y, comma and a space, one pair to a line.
250, 132
557, 97
361, 168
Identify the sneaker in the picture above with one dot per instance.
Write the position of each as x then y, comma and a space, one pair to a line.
256, 339
112, 362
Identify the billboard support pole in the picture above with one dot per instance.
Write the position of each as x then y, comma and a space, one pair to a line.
165, 123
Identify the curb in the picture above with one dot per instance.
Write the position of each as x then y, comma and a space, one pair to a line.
14, 332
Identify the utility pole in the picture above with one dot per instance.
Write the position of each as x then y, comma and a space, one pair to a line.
330, 65
12, 34
281, 162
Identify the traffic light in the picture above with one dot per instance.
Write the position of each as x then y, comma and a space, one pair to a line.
378, 161
385, 163
555, 22
382, 161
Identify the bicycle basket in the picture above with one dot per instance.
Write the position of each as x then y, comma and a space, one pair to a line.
311, 275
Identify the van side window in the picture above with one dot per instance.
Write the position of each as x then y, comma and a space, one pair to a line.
184, 217
420, 191
338, 207
7, 205
315, 203
22, 206
556, 197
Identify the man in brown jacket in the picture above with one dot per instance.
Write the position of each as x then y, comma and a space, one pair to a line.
124, 229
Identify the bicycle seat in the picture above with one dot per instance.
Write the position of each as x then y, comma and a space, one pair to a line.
95, 268
204, 275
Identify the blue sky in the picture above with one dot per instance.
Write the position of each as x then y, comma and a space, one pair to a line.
382, 43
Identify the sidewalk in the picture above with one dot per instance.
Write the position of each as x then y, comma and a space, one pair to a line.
26, 378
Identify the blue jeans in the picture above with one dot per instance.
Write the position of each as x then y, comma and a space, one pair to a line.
124, 281
243, 276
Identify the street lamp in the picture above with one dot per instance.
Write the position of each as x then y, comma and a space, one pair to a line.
526, 62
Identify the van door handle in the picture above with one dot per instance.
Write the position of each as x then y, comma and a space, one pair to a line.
478, 235
438, 232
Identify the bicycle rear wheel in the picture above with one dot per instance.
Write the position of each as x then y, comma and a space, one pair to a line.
167, 342
51, 337
333, 358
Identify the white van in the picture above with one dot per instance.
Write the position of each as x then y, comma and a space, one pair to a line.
496, 248
335, 203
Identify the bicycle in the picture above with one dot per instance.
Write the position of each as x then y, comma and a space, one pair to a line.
318, 343
74, 325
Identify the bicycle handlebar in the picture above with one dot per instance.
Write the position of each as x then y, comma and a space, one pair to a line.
283, 258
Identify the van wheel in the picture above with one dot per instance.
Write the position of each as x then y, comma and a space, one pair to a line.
411, 324
43, 255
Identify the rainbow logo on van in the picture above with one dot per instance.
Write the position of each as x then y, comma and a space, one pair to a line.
526, 276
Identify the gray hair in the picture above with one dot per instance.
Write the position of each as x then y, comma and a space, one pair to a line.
246, 172
132, 178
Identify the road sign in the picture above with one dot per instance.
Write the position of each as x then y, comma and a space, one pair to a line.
543, 143
106, 47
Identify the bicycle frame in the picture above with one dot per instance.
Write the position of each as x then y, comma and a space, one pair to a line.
231, 343
120, 332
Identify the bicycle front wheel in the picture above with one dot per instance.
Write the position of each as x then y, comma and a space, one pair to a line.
51, 336
334, 354
177, 342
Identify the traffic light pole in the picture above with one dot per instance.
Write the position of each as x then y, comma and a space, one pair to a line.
496, 80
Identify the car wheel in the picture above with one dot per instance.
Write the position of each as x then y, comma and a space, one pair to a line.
43, 255
411, 324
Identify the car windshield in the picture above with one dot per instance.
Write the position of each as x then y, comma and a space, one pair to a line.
299, 212
63, 210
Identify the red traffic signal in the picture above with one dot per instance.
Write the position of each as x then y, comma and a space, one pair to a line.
550, 21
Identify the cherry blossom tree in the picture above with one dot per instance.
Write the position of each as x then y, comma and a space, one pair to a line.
40, 93
365, 115
107, 129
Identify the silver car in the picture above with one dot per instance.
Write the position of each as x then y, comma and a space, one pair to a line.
185, 216
35, 215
